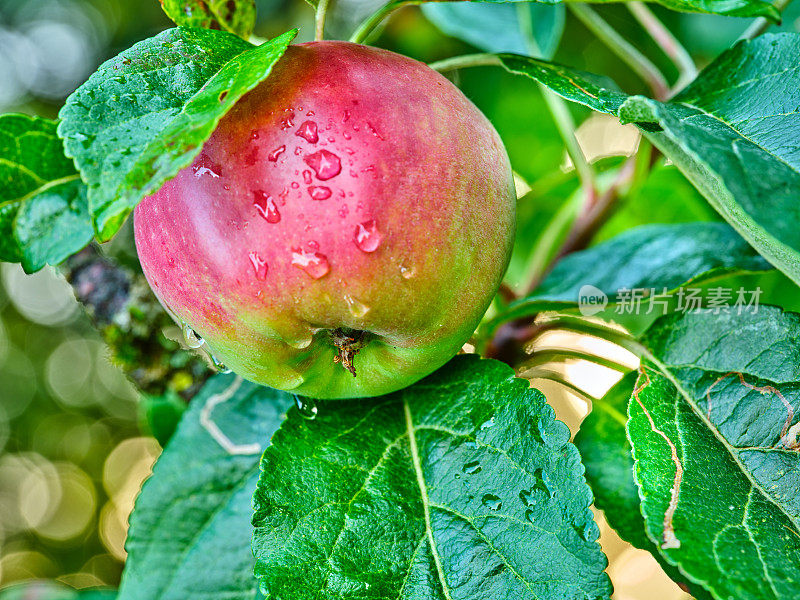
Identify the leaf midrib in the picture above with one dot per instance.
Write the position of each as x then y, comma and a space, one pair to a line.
732, 450
423, 488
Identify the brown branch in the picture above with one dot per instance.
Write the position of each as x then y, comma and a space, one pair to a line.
132, 322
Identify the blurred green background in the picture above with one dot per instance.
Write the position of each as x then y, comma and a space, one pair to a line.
72, 451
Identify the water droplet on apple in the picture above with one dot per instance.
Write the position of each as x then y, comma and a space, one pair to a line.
254, 134
324, 163
295, 185
315, 264
491, 502
273, 156
205, 166
357, 309
407, 272
306, 176
266, 207
374, 131
307, 407
308, 131
259, 265
345, 116
190, 336
319, 192
367, 237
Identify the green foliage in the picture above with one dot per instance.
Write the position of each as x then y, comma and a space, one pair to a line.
647, 257
523, 27
607, 456
463, 485
714, 433
41, 590
44, 216
234, 16
384, 498
144, 115
190, 533
727, 133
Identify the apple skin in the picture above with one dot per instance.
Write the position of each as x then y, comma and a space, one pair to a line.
353, 190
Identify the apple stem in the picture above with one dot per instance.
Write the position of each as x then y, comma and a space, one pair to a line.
322, 11
349, 343
371, 22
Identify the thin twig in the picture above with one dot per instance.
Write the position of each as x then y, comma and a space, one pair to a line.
322, 11
466, 60
594, 215
668, 43
364, 30
637, 61
760, 25
557, 106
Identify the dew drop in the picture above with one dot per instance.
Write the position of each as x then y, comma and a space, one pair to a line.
273, 156
319, 192
407, 272
307, 407
324, 163
288, 121
545, 483
586, 530
529, 516
491, 502
472, 467
219, 365
315, 264
259, 265
306, 176
308, 131
205, 166
374, 131
528, 497
190, 336
367, 237
357, 309
266, 206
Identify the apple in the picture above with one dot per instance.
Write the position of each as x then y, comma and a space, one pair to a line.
343, 230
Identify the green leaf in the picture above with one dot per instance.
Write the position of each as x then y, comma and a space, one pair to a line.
44, 216
646, 257
46, 590
234, 16
190, 531
732, 133
144, 115
607, 456
461, 486
530, 28
713, 424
